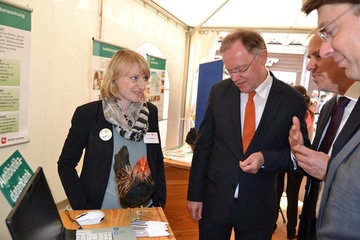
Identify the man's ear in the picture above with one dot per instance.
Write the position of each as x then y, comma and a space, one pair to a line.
263, 56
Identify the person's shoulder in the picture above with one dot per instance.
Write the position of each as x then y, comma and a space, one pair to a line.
224, 82
153, 113
153, 110
93, 104
329, 103
285, 86
151, 106
223, 85
282, 83
89, 108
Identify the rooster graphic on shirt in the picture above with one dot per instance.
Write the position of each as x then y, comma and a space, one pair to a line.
135, 184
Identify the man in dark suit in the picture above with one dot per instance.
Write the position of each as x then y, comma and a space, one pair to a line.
230, 187
339, 216
330, 78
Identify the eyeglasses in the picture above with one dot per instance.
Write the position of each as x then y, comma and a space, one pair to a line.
325, 35
229, 72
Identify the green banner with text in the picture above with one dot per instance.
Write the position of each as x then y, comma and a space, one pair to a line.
15, 17
156, 63
104, 50
14, 175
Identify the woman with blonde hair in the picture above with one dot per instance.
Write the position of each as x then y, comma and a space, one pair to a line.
121, 167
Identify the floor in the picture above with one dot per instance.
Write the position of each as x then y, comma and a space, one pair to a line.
280, 232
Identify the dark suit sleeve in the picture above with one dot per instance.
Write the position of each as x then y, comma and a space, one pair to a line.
75, 142
279, 159
202, 151
87, 190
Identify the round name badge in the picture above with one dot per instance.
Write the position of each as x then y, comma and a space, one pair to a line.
105, 134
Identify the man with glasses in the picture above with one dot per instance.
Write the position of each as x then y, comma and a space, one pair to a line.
339, 212
232, 182
329, 78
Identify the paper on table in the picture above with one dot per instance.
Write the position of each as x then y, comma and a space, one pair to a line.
181, 153
151, 233
150, 228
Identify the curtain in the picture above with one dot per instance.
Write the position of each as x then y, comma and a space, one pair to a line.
203, 46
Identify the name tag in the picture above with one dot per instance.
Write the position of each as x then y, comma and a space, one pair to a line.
151, 137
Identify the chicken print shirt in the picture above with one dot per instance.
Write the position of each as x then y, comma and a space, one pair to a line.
134, 181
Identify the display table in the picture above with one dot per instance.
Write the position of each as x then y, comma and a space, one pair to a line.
177, 179
120, 217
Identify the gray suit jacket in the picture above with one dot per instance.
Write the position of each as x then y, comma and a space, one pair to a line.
350, 128
339, 214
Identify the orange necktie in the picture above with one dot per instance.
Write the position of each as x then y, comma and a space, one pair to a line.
249, 121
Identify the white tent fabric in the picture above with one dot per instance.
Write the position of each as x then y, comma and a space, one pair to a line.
203, 48
279, 20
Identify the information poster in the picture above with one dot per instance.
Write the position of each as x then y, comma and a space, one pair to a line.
14, 175
156, 83
15, 38
102, 54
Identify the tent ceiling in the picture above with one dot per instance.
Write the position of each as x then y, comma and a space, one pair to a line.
281, 20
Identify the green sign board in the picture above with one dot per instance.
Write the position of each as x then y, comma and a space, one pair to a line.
14, 175
15, 17
104, 50
156, 63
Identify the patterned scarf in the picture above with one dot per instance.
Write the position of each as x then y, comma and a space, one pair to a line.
132, 126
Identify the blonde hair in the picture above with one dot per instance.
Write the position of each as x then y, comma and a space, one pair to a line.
120, 65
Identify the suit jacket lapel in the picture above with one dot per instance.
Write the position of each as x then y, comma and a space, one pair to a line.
235, 113
109, 145
269, 113
342, 156
351, 126
270, 110
323, 120
343, 147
